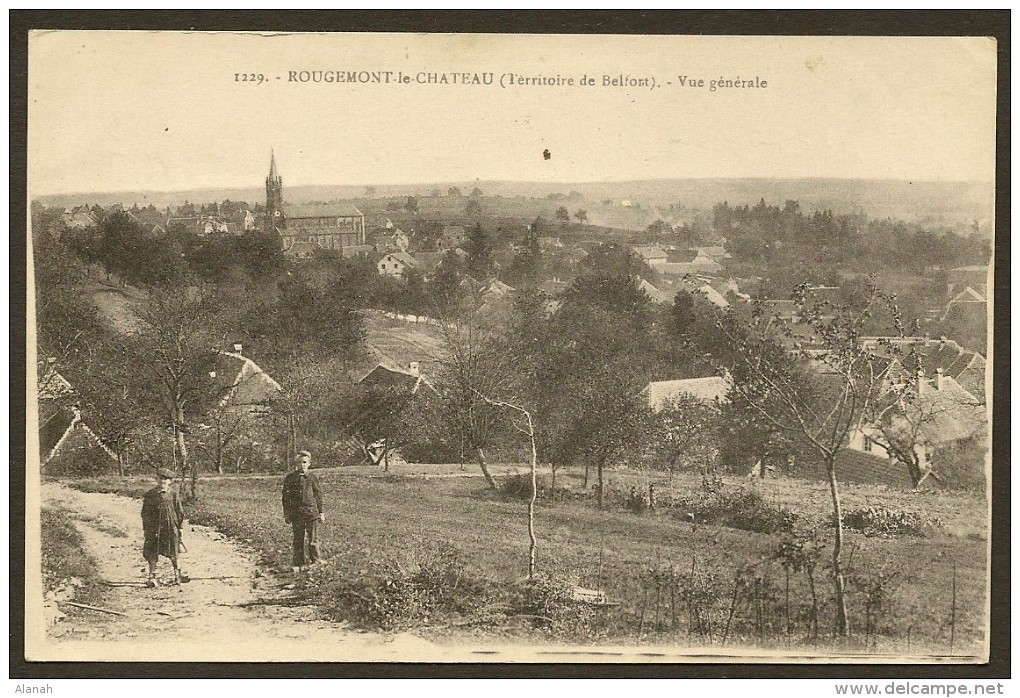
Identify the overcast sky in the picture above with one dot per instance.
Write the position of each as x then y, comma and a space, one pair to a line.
115, 111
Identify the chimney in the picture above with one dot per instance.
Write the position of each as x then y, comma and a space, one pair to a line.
237, 347
938, 379
414, 367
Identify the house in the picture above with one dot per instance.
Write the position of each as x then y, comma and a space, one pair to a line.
710, 389
242, 384
941, 415
966, 301
65, 441
703, 266
664, 293
931, 355
716, 253
547, 243
652, 255
452, 237
78, 218
408, 379
396, 264
975, 276
400, 240
428, 262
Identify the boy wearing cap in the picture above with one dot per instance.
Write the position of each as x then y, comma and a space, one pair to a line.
303, 509
162, 520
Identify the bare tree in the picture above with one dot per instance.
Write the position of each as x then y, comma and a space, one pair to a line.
528, 429
175, 346
473, 363
912, 419
820, 388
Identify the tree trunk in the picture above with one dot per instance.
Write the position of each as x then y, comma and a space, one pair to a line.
182, 453
386, 458
120, 462
533, 541
601, 486
219, 448
552, 469
586, 477
842, 617
480, 454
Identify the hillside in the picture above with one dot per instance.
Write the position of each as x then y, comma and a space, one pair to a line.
935, 203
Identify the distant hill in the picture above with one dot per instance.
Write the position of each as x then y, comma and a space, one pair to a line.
956, 204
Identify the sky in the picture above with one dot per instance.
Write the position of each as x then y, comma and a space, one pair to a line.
165, 111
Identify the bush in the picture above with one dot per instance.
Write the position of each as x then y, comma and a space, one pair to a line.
743, 508
518, 486
879, 521
429, 583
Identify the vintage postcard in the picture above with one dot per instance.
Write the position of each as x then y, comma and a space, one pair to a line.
509, 348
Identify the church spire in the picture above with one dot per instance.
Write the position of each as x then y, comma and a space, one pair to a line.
274, 196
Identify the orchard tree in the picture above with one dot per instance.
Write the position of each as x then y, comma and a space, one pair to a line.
820, 392
175, 350
685, 436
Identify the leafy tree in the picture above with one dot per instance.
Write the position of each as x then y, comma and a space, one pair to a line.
474, 365
476, 192
370, 192
562, 214
581, 215
479, 247
411, 204
685, 435
454, 191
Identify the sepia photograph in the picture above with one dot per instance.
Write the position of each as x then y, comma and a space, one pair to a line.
509, 348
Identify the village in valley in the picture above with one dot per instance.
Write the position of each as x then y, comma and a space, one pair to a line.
576, 416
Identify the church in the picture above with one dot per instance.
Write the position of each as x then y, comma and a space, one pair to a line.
303, 229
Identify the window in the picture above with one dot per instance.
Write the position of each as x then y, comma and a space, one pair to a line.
868, 444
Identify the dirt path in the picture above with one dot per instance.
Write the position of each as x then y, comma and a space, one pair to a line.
230, 610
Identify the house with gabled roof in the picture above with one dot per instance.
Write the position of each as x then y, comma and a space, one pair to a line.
652, 255
242, 384
396, 264
941, 415
64, 437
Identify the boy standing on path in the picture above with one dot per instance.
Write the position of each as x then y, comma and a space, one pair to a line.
303, 510
162, 520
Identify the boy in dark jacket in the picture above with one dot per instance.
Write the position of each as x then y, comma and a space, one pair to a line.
303, 510
162, 520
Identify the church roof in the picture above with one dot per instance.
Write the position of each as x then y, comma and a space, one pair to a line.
321, 211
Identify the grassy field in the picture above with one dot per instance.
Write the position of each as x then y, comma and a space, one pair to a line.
673, 581
64, 559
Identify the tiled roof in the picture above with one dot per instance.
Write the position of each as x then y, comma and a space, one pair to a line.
866, 468
321, 211
681, 268
387, 376
647, 252
243, 383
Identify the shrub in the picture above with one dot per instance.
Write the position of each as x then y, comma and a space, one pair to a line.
743, 508
880, 521
518, 486
428, 583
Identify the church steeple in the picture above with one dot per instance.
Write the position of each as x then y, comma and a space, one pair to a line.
274, 196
